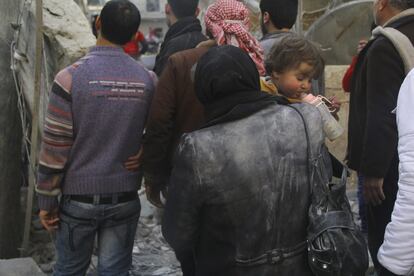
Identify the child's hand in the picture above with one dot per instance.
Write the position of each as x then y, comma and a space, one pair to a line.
334, 107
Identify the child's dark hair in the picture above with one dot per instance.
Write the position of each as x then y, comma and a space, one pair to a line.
290, 52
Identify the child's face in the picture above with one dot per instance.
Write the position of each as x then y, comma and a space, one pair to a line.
294, 82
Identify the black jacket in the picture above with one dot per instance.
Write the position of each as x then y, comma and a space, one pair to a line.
182, 35
372, 136
240, 189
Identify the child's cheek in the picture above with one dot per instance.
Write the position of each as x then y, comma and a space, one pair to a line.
292, 87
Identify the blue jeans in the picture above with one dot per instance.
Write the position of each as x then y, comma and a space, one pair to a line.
114, 225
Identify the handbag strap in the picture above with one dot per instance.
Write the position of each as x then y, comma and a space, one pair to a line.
333, 219
309, 155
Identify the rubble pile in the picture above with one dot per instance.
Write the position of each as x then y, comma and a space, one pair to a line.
151, 254
67, 37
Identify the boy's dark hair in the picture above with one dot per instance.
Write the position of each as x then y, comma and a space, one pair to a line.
120, 20
291, 52
183, 8
282, 13
402, 4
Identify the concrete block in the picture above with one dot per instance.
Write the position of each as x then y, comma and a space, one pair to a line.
20, 267
333, 88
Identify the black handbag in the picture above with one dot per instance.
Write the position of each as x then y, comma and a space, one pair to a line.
336, 247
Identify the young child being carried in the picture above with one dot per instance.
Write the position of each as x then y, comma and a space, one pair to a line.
291, 66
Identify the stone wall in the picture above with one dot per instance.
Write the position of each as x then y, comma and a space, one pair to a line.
67, 37
10, 140
333, 82
333, 85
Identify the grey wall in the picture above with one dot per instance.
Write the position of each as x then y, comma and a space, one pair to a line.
10, 140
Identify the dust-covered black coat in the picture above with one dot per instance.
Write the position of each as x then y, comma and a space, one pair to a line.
240, 189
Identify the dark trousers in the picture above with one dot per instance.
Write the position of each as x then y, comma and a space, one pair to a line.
385, 272
379, 216
362, 210
187, 263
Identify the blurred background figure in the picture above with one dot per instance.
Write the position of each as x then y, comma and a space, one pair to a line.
137, 46
154, 39
184, 30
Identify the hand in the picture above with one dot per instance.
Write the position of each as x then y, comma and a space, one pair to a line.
153, 193
373, 192
334, 107
49, 219
361, 45
335, 104
134, 162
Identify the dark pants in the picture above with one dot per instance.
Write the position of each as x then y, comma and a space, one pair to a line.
385, 272
187, 263
362, 210
379, 216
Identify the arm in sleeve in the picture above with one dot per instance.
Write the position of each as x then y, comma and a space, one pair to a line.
346, 80
385, 73
181, 218
154, 83
396, 253
56, 141
161, 59
159, 130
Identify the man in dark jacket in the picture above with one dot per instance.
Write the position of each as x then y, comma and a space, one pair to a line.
175, 110
184, 30
239, 194
277, 20
372, 138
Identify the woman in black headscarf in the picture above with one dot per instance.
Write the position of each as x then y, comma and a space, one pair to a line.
238, 195
227, 84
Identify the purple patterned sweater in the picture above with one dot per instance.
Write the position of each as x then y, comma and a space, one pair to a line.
94, 122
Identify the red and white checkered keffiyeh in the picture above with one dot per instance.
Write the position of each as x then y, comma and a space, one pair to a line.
228, 22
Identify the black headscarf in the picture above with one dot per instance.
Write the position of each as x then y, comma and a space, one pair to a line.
227, 84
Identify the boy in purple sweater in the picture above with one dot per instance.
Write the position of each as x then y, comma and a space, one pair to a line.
95, 120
